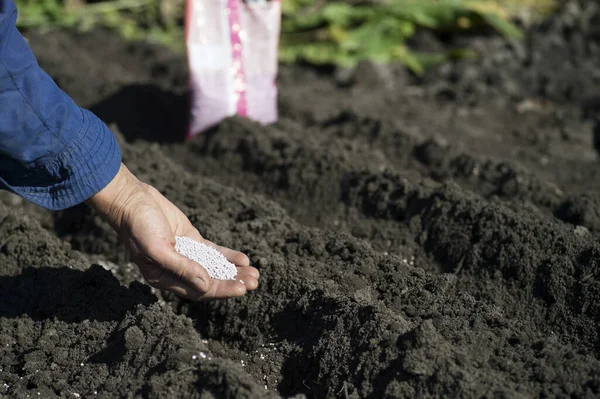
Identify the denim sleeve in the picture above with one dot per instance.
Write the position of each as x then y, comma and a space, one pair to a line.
52, 152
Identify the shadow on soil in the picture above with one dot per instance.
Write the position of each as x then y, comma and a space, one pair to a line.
69, 295
146, 112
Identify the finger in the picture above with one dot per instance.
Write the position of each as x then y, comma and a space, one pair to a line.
223, 289
169, 282
235, 257
248, 271
246, 276
250, 282
220, 289
187, 271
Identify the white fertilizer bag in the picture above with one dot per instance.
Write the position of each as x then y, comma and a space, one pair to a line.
232, 55
215, 263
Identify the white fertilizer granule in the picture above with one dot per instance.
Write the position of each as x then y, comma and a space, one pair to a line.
215, 263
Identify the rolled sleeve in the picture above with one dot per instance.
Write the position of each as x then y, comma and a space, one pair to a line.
84, 167
52, 152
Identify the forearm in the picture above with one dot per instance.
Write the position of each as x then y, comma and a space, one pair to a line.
116, 197
52, 152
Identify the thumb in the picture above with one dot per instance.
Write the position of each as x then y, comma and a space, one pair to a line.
184, 269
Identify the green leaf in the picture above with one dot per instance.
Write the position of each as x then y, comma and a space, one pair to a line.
506, 28
339, 13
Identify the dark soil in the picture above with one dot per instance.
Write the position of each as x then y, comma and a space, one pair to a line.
416, 237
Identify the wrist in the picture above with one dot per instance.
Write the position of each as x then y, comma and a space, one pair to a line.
113, 200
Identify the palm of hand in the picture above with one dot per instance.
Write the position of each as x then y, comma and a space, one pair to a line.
149, 226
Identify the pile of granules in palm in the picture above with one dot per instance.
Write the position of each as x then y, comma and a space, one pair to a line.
215, 263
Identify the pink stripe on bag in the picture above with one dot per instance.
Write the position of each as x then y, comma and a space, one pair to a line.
239, 77
190, 96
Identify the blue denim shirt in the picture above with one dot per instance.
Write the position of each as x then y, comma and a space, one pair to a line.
52, 152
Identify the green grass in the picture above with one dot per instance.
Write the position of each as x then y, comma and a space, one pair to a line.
132, 19
343, 34
314, 31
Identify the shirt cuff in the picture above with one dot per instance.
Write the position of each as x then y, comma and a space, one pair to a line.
88, 163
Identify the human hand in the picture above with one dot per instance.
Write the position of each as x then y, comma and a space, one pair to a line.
147, 223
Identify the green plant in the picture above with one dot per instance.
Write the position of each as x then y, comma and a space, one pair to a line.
132, 19
343, 33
